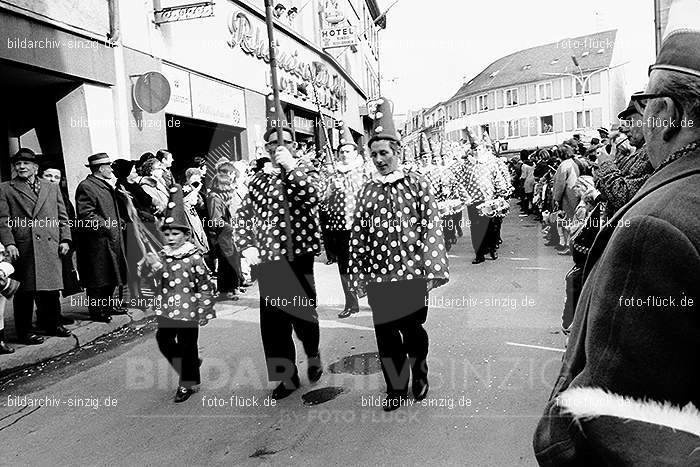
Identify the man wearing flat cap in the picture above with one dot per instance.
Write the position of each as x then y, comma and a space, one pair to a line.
636, 329
34, 229
101, 255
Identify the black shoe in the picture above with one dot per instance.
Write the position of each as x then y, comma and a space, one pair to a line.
5, 349
346, 313
63, 320
183, 393
494, 255
393, 402
30, 339
420, 389
315, 369
329, 262
478, 260
60, 331
282, 391
101, 317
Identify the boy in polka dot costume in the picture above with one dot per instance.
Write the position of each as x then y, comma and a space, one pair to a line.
397, 256
185, 296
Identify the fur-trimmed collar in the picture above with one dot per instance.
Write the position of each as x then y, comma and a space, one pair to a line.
596, 402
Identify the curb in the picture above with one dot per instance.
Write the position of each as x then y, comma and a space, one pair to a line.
82, 333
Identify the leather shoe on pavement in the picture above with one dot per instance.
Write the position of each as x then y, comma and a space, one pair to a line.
183, 393
282, 390
60, 331
31, 339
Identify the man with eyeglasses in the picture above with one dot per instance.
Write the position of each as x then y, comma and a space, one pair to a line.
619, 179
636, 331
279, 235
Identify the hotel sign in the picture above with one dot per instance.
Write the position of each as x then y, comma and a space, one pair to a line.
184, 12
338, 37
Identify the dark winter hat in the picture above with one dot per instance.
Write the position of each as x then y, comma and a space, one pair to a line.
681, 42
270, 135
383, 125
100, 158
346, 138
122, 167
25, 154
603, 131
175, 217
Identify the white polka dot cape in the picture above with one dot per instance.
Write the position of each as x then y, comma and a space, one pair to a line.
480, 181
185, 285
397, 234
340, 197
261, 219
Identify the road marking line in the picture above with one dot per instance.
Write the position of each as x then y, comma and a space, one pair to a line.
538, 269
536, 347
519, 259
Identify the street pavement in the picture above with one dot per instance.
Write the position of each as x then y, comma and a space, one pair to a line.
495, 350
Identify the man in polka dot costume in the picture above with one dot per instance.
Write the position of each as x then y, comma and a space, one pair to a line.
185, 295
340, 198
397, 256
279, 235
481, 180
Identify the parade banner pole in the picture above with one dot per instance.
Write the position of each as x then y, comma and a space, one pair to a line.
278, 125
327, 147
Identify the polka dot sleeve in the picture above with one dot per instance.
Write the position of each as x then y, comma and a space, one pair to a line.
359, 245
204, 287
434, 254
303, 187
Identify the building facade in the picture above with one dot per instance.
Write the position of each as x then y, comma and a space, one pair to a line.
196, 86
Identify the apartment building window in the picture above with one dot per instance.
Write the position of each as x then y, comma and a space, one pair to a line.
587, 89
583, 119
511, 97
547, 124
462, 108
513, 129
483, 103
544, 90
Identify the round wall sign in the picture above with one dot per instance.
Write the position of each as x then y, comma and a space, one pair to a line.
151, 92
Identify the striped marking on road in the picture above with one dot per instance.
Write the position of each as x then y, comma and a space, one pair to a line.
519, 259
536, 347
533, 268
250, 315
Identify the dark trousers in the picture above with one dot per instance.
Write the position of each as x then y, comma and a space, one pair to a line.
48, 309
483, 232
287, 303
497, 223
326, 237
102, 294
226, 275
179, 346
399, 310
340, 241
574, 284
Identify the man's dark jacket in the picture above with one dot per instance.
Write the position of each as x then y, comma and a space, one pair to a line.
649, 251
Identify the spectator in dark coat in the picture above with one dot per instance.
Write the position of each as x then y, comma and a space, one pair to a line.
35, 247
101, 255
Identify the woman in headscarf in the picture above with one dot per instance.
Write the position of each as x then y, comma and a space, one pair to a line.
221, 218
192, 191
151, 172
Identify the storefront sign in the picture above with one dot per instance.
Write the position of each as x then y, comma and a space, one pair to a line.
308, 80
184, 12
338, 37
216, 102
180, 103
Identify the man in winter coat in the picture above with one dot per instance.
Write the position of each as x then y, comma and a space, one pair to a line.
101, 256
34, 229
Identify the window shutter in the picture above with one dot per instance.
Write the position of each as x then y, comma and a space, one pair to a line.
522, 95
523, 127
531, 94
492, 130
567, 86
533, 126
568, 121
595, 83
558, 123
556, 89
501, 130
499, 99
597, 117
490, 100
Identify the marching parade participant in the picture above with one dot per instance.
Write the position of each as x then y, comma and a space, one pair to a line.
397, 256
447, 196
185, 295
279, 235
340, 198
483, 185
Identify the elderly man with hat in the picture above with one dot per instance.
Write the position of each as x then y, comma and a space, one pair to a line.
35, 230
397, 256
618, 180
340, 199
636, 330
279, 235
101, 256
